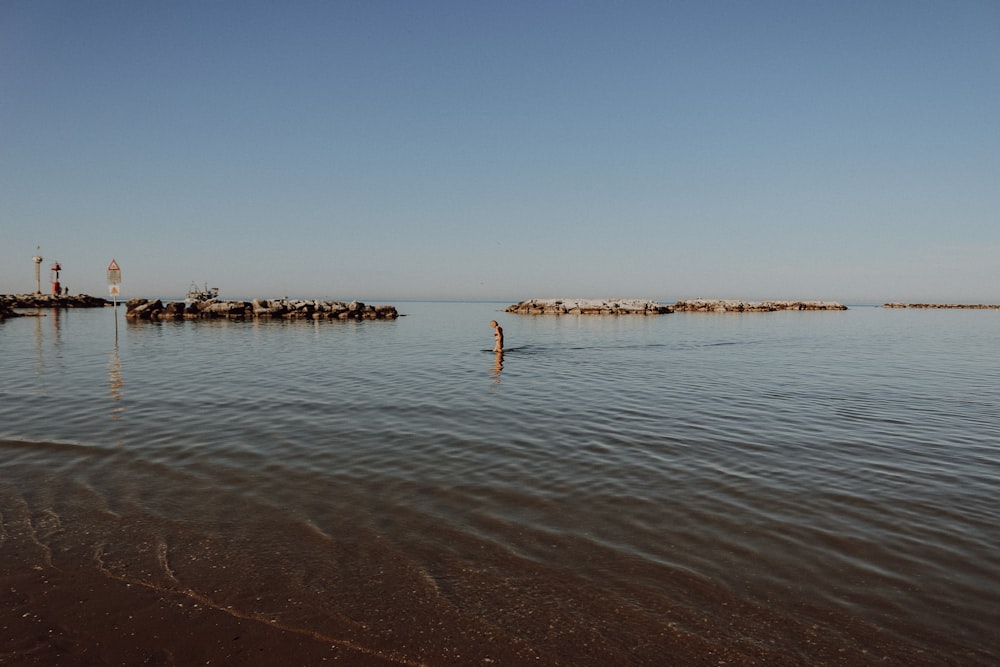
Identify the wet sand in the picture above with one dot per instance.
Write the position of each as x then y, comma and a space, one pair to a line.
55, 617
82, 616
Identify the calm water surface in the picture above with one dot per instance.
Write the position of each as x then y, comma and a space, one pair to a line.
800, 484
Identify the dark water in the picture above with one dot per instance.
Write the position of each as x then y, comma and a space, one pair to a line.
796, 484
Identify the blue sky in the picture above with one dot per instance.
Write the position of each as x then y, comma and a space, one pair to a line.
668, 150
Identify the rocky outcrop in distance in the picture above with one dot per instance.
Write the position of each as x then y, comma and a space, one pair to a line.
146, 309
976, 306
588, 307
731, 306
10, 302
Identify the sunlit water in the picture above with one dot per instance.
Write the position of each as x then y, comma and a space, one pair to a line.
608, 478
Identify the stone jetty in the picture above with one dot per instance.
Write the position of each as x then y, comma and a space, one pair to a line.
646, 307
588, 307
9, 303
976, 306
730, 306
146, 309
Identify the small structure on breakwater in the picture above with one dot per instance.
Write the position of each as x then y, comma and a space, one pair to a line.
646, 307
146, 309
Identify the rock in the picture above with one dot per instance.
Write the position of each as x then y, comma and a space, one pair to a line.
143, 309
227, 308
261, 307
174, 309
6, 310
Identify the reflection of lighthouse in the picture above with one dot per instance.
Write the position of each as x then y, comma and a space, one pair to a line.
56, 288
37, 259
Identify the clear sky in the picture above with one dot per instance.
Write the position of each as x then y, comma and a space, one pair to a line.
407, 149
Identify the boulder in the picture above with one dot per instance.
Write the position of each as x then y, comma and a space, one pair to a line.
143, 309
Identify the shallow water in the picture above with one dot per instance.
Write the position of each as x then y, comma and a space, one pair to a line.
791, 484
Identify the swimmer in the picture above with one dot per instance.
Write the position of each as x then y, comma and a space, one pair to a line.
497, 336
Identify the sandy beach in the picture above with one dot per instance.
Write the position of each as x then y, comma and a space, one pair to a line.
81, 616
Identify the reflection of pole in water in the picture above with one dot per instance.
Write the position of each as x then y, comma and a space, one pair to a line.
57, 327
115, 383
40, 357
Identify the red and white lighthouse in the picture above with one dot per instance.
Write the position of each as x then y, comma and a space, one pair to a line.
56, 287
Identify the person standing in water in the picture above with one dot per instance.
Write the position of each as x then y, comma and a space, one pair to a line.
497, 336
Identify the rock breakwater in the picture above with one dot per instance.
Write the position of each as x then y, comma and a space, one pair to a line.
9, 303
731, 306
146, 309
646, 307
588, 307
976, 306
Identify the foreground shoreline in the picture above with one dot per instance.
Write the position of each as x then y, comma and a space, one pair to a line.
64, 610
82, 616
63, 607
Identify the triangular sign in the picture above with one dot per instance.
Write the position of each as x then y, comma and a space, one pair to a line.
113, 266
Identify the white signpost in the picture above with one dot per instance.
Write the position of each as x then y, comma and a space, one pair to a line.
114, 287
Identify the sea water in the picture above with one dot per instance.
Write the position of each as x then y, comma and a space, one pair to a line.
783, 478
